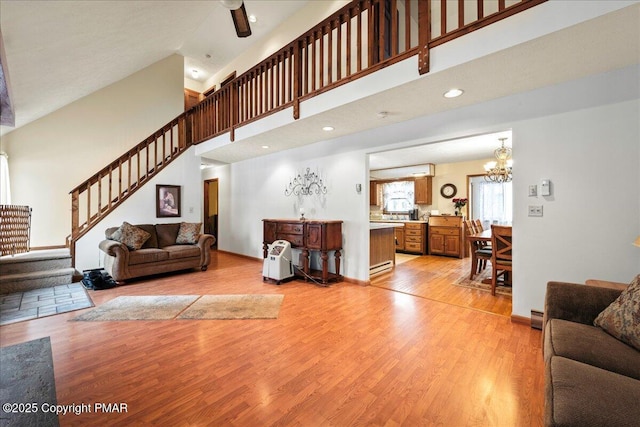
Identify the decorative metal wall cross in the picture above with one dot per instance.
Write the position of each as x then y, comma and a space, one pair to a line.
305, 185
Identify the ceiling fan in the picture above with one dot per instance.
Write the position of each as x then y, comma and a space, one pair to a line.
239, 15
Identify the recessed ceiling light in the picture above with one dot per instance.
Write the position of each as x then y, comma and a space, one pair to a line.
265, 146
253, 19
327, 128
194, 74
382, 114
453, 93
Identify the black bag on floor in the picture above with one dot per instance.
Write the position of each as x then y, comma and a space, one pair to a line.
97, 279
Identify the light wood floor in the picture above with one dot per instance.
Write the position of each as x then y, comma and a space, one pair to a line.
432, 277
338, 356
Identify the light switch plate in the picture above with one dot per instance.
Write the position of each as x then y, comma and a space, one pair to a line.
533, 190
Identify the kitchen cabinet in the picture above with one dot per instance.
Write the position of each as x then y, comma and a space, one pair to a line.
446, 236
373, 193
423, 194
399, 236
415, 237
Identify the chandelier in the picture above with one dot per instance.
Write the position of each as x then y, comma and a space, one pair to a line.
500, 170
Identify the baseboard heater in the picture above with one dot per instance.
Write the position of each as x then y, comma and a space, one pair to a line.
381, 267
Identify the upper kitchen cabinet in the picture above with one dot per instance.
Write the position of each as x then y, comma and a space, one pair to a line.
423, 193
373, 193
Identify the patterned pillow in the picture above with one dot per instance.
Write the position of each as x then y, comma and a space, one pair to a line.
622, 318
131, 236
189, 233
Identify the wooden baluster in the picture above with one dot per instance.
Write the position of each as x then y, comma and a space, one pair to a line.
314, 66
407, 25
480, 9
424, 35
75, 213
381, 31
359, 41
394, 28
348, 46
460, 13
443, 17
501, 5
330, 53
339, 48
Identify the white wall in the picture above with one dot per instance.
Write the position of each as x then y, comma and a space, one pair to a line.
51, 156
592, 157
253, 190
140, 208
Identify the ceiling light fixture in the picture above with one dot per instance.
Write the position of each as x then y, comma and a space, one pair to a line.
500, 170
453, 93
327, 128
253, 19
194, 73
265, 146
382, 114
231, 4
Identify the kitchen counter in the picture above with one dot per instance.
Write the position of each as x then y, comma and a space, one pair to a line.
416, 221
376, 225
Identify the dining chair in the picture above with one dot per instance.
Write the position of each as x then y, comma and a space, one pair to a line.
479, 254
501, 259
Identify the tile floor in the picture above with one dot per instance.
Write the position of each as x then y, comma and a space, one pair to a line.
43, 302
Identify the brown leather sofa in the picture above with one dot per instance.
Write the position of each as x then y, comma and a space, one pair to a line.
158, 254
591, 378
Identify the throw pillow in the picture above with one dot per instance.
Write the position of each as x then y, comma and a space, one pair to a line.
131, 236
621, 318
188, 233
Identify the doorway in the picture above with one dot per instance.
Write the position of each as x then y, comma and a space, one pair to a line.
211, 209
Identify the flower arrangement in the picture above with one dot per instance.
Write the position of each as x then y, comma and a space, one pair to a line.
459, 204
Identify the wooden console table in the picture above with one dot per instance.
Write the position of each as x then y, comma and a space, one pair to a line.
308, 235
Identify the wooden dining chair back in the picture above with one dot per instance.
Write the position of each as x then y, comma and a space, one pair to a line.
501, 255
479, 254
479, 226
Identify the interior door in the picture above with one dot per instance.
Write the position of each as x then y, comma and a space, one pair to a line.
210, 217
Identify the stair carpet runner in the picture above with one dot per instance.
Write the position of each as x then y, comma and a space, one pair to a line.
35, 270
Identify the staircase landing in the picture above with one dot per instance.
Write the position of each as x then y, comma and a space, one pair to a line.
35, 270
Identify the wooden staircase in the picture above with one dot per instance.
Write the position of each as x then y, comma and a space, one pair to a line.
35, 270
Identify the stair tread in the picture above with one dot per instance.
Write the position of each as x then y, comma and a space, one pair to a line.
38, 274
36, 256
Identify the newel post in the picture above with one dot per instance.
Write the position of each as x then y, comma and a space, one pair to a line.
424, 35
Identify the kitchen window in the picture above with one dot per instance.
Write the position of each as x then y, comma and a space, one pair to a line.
398, 196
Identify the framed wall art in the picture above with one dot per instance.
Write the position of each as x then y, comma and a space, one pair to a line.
167, 201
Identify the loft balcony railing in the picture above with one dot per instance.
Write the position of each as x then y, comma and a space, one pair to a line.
361, 38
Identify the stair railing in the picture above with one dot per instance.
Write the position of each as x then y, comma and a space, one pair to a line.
362, 37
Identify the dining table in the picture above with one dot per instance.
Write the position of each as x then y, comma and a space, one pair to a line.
475, 240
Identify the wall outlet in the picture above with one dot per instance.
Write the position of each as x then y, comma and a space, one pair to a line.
535, 210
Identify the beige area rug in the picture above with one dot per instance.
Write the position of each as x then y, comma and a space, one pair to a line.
160, 307
169, 307
234, 307
476, 283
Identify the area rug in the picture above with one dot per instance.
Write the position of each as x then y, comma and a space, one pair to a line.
234, 307
26, 378
169, 307
37, 303
160, 307
476, 283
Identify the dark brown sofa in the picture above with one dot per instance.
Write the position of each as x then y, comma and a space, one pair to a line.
158, 254
591, 378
